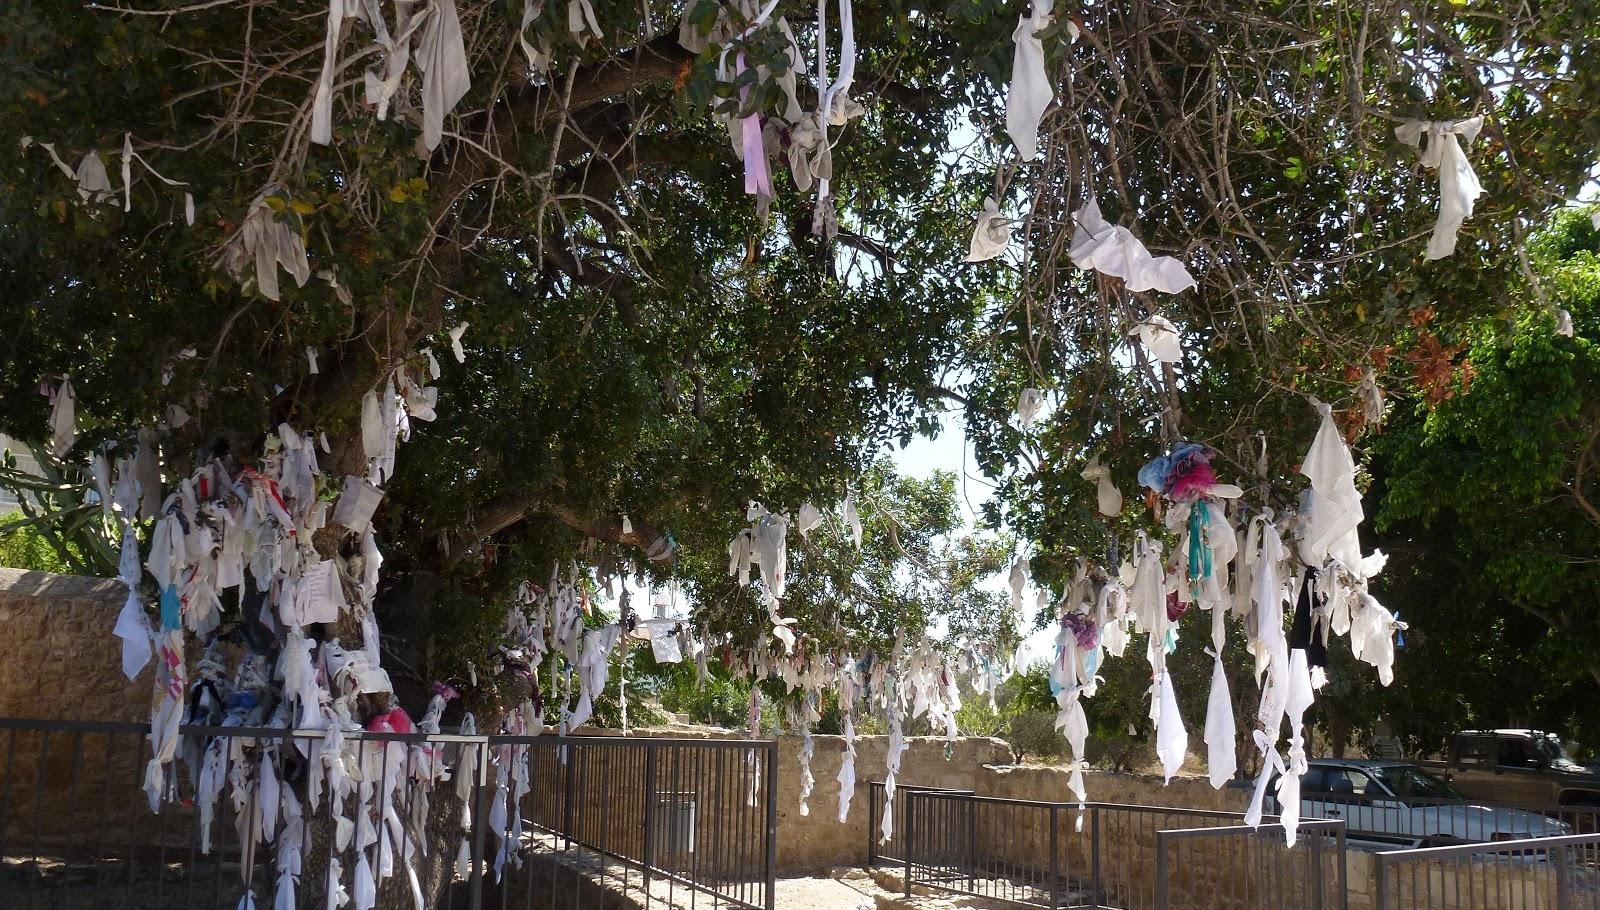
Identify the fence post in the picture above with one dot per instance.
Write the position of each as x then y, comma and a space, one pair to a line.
1161, 870
1316, 868
1563, 891
1381, 888
872, 813
1094, 855
1344, 871
772, 824
649, 812
1055, 858
971, 853
571, 754
480, 820
910, 834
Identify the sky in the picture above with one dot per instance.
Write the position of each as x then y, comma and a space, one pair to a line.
950, 452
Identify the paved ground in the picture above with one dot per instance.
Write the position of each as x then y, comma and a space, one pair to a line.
824, 894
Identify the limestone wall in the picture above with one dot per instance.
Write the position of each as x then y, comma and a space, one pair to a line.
60, 660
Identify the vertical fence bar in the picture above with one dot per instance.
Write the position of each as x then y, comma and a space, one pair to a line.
908, 841
1563, 891
872, 811
1343, 872
970, 851
569, 758
1315, 878
480, 821
649, 814
1097, 889
772, 825
1055, 858
1381, 886
1161, 871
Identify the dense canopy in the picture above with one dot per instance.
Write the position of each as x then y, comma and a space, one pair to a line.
647, 347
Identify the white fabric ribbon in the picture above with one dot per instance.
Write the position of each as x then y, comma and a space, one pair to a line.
581, 22
1458, 183
442, 57
837, 88
1335, 513
1029, 404
1172, 740
852, 518
322, 98
1030, 92
63, 418
538, 57
1160, 338
1221, 761
1113, 250
266, 243
847, 769
1107, 497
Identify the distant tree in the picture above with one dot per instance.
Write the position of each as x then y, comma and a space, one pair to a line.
1489, 503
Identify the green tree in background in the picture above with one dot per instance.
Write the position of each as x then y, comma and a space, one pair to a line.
1487, 503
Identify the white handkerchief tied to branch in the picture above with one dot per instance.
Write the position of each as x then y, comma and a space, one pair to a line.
1113, 250
1030, 92
1458, 183
991, 235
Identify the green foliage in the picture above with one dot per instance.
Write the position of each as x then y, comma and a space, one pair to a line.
58, 511
720, 701
1486, 504
1033, 734
915, 570
28, 548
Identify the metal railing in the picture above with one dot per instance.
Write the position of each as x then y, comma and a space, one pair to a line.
572, 821
1547, 873
1242, 867
1047, 854
1427, 822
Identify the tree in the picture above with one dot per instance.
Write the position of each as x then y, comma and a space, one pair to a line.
647, 347
1487, 500
641, 343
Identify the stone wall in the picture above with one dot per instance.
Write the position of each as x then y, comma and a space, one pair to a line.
808, 843
61, 660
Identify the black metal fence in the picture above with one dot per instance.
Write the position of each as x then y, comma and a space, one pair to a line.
1044, 854
548, 822
1242, 868
1552, 873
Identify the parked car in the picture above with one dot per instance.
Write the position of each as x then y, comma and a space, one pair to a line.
1403, 803
1521, 767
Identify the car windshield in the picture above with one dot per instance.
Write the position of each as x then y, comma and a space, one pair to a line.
1403, 780
1552, 753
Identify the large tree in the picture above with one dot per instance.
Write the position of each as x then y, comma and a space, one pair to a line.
649, 346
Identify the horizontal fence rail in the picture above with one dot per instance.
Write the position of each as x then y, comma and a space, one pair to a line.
1428, 822
1548, 873
555, 822
1045, 854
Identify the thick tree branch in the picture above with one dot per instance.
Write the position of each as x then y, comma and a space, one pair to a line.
395, 329
508, 511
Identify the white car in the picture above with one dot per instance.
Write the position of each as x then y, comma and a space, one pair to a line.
1402, 803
